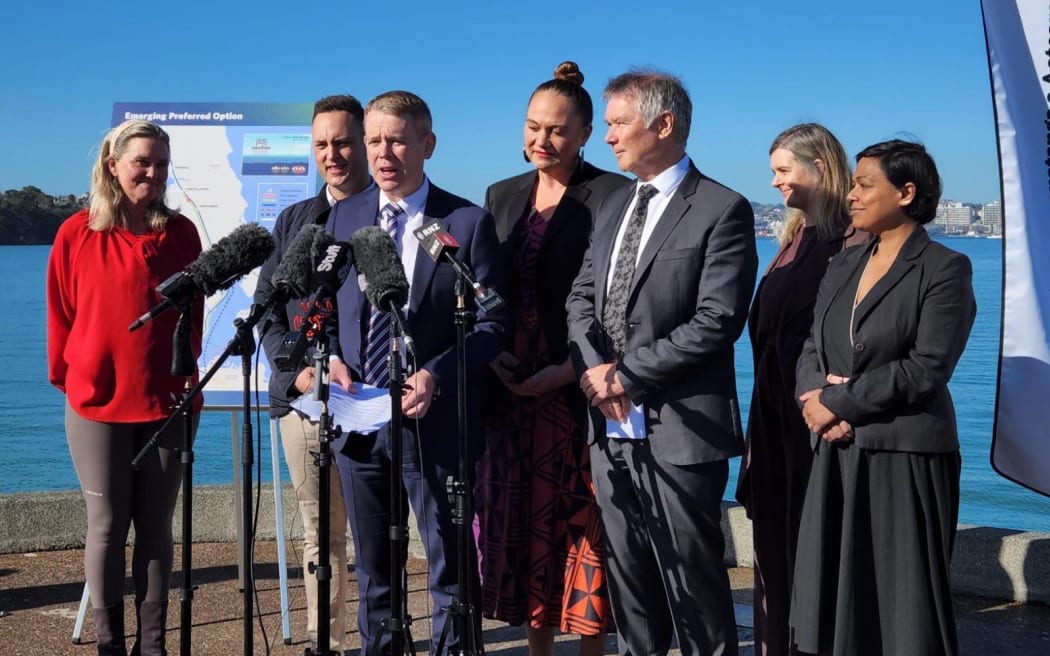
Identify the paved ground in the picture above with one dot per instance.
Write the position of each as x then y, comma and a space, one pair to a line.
40, 593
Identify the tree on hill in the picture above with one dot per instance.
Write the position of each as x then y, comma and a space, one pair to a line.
29, 216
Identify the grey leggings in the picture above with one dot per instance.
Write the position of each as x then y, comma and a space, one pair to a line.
117, 498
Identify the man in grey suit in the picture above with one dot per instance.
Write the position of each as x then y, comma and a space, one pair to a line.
662, 296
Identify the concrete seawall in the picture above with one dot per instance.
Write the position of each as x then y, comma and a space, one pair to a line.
991, 562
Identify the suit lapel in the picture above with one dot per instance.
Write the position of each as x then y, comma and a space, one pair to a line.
605, 230
904, 263
842, 275
565, 212
666, 223
517, 203
425, 267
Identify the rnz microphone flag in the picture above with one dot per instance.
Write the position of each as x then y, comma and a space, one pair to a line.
1018, 38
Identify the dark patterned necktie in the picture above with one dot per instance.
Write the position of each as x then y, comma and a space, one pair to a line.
377, 345
614, 313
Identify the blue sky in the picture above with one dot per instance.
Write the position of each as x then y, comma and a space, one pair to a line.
869, 71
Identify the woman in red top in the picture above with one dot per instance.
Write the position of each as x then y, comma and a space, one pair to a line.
102, 273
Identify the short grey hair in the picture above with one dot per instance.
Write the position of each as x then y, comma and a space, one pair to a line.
655, 92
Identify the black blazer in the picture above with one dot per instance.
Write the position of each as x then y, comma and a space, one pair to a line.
909, 332
564, 243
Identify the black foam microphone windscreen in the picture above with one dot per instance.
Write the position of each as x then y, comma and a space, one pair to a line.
292, 275
377, 260
217, 268
231, 257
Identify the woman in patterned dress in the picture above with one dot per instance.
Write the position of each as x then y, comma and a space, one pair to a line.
540, 543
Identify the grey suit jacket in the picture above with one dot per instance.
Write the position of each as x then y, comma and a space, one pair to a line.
687, 306
909, 332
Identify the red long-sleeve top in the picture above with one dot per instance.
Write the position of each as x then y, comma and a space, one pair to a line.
98, 283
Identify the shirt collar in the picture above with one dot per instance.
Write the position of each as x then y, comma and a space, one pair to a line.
667, 181
411, 204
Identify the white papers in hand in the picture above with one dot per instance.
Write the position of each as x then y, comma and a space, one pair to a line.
365, 411
631, 429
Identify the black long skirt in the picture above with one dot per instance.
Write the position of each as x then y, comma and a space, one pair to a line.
872, 573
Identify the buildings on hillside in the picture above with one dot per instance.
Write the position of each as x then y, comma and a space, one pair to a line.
954, 219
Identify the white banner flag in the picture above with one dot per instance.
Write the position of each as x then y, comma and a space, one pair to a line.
1018, 38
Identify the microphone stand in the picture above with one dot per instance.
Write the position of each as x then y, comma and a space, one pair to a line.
243, 344
399, 624
182, 364
323, 460
460, 492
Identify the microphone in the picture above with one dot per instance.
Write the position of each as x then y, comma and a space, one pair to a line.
215, 269
291, 278
324, 279
439, 243
383, 275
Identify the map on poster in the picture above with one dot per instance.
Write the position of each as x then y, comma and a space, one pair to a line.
232, 163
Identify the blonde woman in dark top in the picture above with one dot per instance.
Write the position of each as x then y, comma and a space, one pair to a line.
811, 171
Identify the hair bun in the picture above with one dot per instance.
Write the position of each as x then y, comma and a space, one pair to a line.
568, 71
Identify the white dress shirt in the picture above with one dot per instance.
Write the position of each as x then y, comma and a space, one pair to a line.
666, 184
407, 222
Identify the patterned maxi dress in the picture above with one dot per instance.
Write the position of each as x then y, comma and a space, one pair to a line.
542, 560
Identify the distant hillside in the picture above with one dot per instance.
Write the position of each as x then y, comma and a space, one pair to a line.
29, 216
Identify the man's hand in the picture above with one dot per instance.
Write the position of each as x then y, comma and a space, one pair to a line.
601, 383
304, 382
419, 394
616, 408
339, 374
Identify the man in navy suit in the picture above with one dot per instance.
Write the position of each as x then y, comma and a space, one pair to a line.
398, 140
661, 298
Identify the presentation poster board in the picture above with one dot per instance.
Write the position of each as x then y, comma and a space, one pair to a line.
231, 163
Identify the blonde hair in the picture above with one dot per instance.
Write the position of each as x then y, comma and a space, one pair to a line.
106, 196
406, 105
829, 209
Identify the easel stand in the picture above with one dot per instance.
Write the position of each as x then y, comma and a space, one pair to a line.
399, 624
462, 612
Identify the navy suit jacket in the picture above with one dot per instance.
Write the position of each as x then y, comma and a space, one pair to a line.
911, 329
431, 312
687, 307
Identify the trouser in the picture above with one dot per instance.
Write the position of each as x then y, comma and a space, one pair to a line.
116, 498
664, 550
299, 437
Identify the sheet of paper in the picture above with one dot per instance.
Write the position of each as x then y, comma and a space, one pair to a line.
365, 411
631, 429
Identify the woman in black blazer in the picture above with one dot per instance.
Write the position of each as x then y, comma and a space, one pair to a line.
872, 575
541, 553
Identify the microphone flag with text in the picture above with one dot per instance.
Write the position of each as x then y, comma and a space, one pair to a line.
382, 276
439, 243
311, 245
216, 269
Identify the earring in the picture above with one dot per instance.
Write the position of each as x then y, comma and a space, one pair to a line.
525, 154
579, 160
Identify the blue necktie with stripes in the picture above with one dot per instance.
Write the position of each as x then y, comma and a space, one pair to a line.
377, 345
